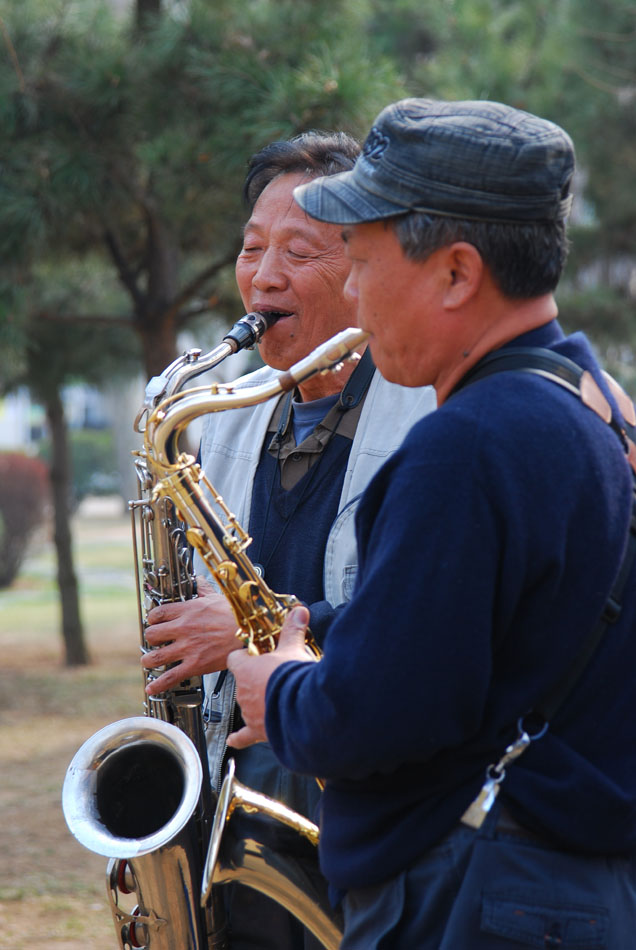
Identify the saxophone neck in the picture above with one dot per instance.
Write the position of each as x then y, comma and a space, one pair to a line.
328, 357
245, 333
175, 413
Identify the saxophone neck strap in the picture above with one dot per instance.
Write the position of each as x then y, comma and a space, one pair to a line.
564, 372
358, 382
351, 395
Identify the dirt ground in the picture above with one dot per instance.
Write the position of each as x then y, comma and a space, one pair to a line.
52, 890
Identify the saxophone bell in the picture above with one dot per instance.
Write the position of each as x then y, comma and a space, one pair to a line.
130, 794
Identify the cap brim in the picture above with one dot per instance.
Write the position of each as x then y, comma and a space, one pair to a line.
339, 199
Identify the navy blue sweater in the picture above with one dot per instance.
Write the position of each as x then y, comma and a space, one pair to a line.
487, 544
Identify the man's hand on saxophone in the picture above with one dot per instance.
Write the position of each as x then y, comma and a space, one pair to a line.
252, 675
195, 635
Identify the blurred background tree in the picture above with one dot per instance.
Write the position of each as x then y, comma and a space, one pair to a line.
126, 128
572, 61
126, 137
53, 352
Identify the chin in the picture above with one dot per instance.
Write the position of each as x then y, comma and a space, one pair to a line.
399, 369
392, 373
280, 358
281, 346
399, 375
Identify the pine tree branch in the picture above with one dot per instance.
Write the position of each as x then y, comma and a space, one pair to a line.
195, 285
95, 319
609, 37
126, 275
13, 56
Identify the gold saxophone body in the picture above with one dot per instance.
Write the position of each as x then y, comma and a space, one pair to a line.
138, 791
213, 530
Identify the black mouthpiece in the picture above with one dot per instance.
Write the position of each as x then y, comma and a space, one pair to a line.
249, 329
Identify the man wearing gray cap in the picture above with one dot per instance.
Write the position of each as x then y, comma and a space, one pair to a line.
474, 714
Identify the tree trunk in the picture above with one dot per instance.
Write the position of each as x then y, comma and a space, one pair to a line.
157, 326
144, 9
76, 653
159, 345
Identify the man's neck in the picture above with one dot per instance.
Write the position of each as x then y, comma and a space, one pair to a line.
327, 384
517, 318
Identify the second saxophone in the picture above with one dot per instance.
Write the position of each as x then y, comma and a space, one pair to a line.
161, 863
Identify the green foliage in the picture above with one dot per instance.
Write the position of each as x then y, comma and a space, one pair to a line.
605, 129
507, 50
573, 61
100, 121
606, 315
130, 145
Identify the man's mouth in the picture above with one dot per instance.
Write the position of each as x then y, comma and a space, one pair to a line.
273, 316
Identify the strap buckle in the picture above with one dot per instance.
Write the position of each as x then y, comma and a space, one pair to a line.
476, 813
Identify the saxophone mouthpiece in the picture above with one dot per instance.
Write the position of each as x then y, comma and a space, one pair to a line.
269, 316
249, 329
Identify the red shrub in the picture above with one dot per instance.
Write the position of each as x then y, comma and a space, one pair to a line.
24, 492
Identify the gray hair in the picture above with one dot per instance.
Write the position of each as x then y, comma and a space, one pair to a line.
525, 260
312, 153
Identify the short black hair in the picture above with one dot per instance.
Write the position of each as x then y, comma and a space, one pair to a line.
525, 260
313, 153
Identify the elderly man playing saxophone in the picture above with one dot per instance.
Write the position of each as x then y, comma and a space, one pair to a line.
292, 472
490, 642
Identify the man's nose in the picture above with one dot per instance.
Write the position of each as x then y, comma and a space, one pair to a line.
270, 272
351, 288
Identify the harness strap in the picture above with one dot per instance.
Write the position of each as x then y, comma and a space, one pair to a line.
358, 382
564, 372
568, 374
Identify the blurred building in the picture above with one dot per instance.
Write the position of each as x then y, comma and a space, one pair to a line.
22, 422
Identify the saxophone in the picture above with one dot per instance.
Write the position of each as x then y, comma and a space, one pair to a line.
157, 846
163, 848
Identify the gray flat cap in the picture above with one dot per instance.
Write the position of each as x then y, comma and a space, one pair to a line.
471, 159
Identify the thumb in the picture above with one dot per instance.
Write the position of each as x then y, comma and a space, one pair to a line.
292, 633
245, 737
204, 587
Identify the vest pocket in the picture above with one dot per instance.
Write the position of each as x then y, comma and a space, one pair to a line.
349, 576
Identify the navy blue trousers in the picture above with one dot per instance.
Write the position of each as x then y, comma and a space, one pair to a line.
256, 922
494, 890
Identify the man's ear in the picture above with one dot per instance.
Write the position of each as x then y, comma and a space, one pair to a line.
465, 271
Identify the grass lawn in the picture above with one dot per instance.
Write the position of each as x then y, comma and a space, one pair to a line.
52, 891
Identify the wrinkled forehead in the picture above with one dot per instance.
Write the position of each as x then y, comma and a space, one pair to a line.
276, 213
